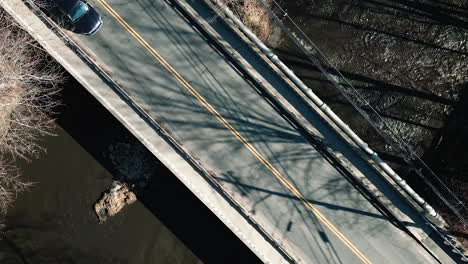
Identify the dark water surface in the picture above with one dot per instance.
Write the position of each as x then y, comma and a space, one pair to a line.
55, 221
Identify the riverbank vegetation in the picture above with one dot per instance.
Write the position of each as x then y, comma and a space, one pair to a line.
29, 80
255, 17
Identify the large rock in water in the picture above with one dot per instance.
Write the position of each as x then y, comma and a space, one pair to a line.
114, 200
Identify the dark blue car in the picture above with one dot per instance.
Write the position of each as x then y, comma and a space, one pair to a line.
83, 17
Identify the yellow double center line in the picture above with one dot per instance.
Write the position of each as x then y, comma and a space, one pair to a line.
249, 146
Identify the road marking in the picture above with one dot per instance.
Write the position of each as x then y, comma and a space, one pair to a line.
249, 146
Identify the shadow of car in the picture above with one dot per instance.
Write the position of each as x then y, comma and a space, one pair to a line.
75, 15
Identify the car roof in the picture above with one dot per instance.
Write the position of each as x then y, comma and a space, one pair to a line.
66, 5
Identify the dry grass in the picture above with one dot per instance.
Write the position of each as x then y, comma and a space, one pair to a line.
257, 19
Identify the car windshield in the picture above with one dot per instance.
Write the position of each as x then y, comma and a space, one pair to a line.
79, 10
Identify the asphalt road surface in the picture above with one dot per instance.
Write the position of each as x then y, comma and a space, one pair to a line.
183, 82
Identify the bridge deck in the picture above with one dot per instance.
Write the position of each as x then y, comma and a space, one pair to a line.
254, 152
287, 185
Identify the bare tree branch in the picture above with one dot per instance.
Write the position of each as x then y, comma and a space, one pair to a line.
29, 81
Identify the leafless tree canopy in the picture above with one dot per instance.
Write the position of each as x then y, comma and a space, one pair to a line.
10, 184
28, 85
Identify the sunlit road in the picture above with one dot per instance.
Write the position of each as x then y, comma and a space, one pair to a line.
182, 81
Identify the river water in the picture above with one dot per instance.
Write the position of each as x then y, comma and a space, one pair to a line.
54, 222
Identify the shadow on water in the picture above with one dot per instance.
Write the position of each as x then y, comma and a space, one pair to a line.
17, 250
95, 129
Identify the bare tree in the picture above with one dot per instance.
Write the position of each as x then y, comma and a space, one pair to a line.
11, 184
28, 83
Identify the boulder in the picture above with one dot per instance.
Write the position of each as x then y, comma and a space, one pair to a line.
114, 200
